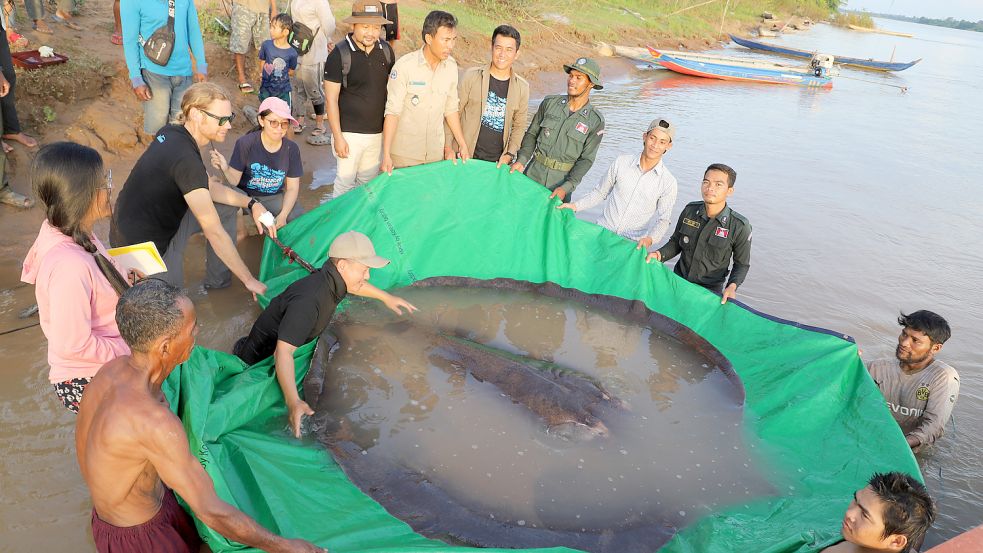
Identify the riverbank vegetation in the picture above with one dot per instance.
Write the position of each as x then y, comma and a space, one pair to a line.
860, 19
950, 22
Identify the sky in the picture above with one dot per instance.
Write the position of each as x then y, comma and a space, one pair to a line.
970, 10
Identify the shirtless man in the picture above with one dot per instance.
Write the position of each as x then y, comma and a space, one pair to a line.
133, 451
891, 514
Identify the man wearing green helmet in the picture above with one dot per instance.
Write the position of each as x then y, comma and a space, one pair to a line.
562, 140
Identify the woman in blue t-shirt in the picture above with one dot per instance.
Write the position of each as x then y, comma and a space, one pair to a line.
265, 165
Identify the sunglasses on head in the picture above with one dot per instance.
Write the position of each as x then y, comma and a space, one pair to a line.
222, 120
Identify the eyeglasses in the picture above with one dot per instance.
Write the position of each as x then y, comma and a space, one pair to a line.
274, 124
221, 120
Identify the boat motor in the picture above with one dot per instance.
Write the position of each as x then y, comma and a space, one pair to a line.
822, 64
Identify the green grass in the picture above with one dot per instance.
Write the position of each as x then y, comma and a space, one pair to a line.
861, 19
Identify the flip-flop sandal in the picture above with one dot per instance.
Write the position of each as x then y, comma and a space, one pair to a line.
17, 40
116, 39
322, 139
66, 22
298, 128
9, 197
246, 88
43, 30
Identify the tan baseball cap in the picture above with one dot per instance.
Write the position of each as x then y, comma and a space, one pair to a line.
368, 12
663, 125
356, 246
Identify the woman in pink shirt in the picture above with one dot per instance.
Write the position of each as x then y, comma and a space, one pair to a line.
76, 283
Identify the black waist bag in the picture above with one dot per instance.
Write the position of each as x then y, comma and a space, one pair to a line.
159, 46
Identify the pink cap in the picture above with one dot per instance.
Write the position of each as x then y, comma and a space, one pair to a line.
277, 106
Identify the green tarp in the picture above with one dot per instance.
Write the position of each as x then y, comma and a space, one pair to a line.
810, 402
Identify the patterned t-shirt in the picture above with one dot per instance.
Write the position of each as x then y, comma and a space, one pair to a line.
276, 68
263, 172
491, 145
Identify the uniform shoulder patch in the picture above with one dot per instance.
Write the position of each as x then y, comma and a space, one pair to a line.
392, 74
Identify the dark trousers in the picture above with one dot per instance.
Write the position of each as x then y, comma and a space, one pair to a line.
11, 125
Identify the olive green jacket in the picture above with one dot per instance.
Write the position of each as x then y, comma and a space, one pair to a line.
559, 147
473, 94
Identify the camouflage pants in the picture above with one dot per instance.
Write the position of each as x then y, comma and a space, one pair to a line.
248, 24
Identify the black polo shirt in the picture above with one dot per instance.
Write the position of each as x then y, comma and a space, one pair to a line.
363, 102
151, 205
298, 315
708, 245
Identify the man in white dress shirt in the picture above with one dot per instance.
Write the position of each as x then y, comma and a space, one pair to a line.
639, 188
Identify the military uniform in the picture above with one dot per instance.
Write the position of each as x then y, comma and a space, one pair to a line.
559, 147
707, 246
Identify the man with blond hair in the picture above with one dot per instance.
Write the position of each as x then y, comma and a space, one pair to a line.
169, 197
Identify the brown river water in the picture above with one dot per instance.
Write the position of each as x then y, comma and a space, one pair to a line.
862, 200
412, 407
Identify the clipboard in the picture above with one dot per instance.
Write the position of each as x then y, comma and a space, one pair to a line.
143, 257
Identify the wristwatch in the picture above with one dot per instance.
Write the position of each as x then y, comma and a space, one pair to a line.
252, 201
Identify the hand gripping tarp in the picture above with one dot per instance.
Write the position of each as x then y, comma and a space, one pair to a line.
809, 400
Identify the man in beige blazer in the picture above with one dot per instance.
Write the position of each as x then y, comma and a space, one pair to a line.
494, 104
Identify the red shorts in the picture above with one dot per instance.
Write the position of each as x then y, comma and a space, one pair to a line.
171, 530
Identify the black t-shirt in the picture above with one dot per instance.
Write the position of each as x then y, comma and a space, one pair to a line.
298, 315
263, 171
151, 205
490, 145
363, 103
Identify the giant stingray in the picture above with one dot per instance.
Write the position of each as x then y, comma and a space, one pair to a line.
568, 403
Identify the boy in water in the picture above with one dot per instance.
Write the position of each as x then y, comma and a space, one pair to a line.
279, 60
891, 514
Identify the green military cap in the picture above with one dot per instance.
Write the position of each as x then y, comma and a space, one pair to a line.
588, 67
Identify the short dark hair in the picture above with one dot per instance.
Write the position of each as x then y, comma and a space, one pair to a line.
147, 311
435, 20
932, 324
507, 31
731, 174
908, 509
283, 20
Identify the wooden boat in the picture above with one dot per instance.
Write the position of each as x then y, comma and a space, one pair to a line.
879, 31
971, 540
741, 69
843, 60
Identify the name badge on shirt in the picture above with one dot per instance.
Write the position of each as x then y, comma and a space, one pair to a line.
722, 232
418, 83
690, 223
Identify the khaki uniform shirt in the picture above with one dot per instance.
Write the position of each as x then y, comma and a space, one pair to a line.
560, 145
708, 245
421, 97
921, 403
473, 91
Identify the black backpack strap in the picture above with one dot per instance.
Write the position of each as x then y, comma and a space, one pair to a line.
346, 61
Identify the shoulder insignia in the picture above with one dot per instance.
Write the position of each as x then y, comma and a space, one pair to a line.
392, 74
601, 133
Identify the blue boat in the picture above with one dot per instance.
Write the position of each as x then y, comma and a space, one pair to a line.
870, 64
737, 69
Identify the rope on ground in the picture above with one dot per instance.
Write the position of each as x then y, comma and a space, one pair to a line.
530, 17
689, 8
12, 330
904, 89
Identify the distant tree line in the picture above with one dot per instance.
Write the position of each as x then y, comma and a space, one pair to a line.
947, 22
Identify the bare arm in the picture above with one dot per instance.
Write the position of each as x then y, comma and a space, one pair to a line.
332, 91
167, 450
286, 377
395, 303
291, 189
200, 203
